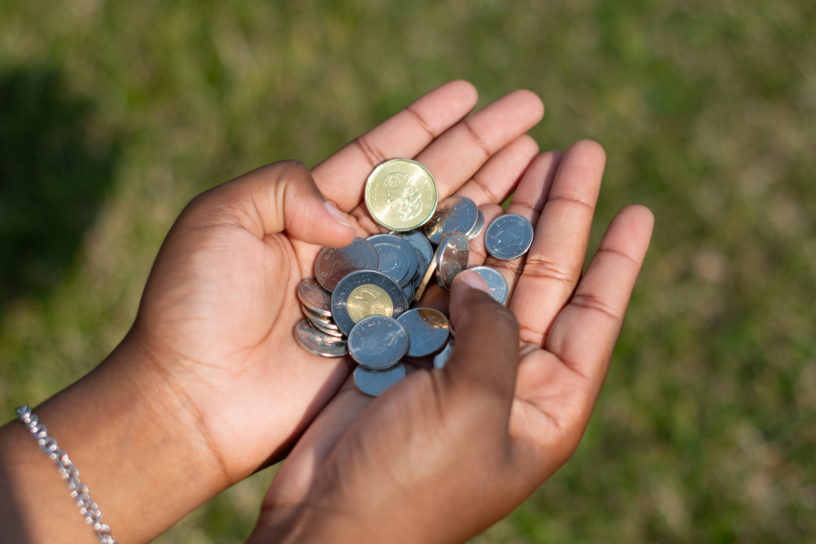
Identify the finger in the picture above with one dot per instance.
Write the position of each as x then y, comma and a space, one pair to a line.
485, 357
457, 154
342, 176
553, 264
501, 173
527, 201
584, 333
273, 198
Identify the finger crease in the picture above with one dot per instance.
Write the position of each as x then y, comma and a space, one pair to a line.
513, 266
568, 199
620, 254
371, 153
492, 197
544, 268
594, 303
421, 121
478, 139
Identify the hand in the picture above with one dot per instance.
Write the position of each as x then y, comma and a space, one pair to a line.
445, 453
210, 385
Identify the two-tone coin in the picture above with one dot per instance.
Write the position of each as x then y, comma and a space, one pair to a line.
496, 284
428, 330
401, 194
451, 258
318, 342
454, 214
509, 236
332, 264
364, 293
375, 382
378, 342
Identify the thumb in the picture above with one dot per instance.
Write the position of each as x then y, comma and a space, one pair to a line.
273, 198
486, 353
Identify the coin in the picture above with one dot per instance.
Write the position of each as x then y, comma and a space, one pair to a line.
378, 342
508, 236
375, 382
314, 297
422, 245
427, 330
451, 258
441, 358
364, 293
426, 279
454, 214
398, 258
477, 227
314, 317
332, 264
401, 194
317, 342
496, 284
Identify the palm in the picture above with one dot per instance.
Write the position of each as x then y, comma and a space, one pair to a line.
230, 320
568, 325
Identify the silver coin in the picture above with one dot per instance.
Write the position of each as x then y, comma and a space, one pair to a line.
451, 258
332, 264
427, 330
508, 236
398, 258
315, 317
441, 358
317, 342
378, 342
314, 297
409, 291
496, 284
477, 228
454, 214
422, 245
371, 293
375, 382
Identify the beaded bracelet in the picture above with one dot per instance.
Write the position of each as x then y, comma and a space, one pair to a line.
79, 491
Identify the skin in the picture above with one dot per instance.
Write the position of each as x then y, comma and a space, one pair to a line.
209, 385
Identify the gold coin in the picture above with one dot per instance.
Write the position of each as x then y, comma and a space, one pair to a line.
401, 195
367, 300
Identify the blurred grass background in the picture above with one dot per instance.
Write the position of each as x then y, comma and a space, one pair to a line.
114, 114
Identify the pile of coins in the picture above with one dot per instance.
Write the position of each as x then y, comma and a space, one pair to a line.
360, 301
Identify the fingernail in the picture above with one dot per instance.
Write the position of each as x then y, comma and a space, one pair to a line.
337, 214
474, 280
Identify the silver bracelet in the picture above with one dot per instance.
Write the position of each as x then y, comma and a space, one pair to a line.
79, 491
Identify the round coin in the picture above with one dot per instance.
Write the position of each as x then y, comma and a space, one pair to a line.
421, 244
427, 330
508, 236
451, 258
398, 258
375, 382
332, 264
318, 342
314, 297
477, 227
496, 284
364, 293
401, 194
454, 214
378, 342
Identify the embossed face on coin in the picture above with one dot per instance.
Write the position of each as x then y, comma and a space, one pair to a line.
331, 264
401, 194
496, 284
454, 214
378, 342
364, 293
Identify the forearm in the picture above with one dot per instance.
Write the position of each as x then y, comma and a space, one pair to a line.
137, 448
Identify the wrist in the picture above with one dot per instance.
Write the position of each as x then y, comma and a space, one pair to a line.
135, 443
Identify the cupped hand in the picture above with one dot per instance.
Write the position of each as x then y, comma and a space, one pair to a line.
445, 453
219, 308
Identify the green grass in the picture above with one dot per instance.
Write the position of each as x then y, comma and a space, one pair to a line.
113, 115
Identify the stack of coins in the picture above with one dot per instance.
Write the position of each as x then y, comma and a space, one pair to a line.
360, 301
